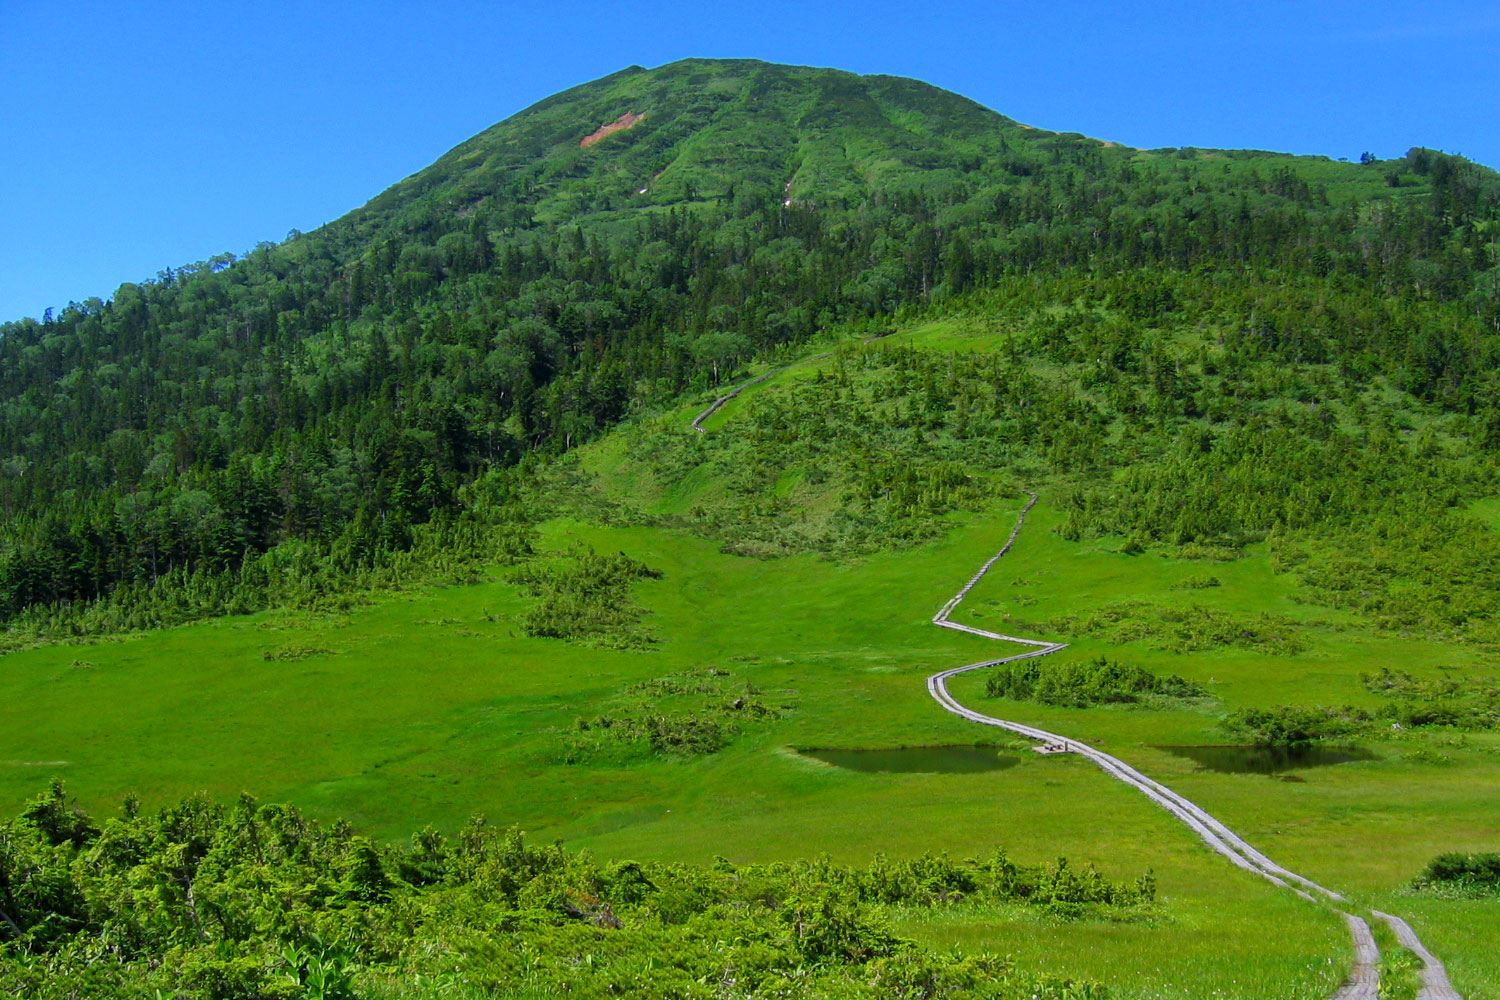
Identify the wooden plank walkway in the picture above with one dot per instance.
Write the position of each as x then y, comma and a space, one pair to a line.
1363, 982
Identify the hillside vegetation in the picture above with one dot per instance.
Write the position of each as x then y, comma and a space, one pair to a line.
300, 413
255, 901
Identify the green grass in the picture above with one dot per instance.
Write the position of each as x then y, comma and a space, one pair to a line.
427, 711
431, 705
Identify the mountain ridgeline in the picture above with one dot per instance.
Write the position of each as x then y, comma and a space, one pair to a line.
281, 425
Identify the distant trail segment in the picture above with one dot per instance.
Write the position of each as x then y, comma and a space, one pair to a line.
1364, 979
718, 404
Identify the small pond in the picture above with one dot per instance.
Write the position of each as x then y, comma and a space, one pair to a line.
921, 760
1268, 760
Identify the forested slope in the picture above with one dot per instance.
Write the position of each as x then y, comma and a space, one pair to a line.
256, 429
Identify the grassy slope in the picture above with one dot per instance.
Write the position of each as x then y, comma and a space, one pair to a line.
429, 711
412, 722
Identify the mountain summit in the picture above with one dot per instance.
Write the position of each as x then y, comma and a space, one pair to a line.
720, 130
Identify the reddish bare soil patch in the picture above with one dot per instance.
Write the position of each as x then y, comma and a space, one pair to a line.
620, 124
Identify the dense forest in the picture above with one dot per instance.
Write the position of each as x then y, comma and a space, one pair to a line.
283, 424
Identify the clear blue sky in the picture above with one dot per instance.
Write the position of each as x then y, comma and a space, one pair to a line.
136, 136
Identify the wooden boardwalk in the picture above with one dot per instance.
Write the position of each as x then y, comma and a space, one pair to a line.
1363, 982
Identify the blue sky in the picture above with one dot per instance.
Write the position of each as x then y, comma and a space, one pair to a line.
138, 136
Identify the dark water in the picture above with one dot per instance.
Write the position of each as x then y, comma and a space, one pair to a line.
929, 760
1268, 760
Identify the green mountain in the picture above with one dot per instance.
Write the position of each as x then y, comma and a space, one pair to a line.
320, 399
604, 477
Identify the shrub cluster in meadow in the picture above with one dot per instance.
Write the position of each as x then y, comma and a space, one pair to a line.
684, 715
1456, 873
1297, 726
1469, 703
1082, 683
1179, 629
1411, 703
585, 596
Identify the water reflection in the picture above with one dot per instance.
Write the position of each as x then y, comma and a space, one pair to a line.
1269, 760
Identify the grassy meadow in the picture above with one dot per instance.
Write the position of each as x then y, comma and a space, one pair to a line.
430, 705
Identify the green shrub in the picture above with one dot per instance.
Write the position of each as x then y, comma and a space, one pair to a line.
585, 597
1079, 684
690, 714
284, 907
1476, 873
1295, 726
293, 653
1416, 703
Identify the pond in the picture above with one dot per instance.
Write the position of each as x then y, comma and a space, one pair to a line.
917, 760
1268, 760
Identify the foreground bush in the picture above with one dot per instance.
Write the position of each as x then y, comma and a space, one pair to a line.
248, 901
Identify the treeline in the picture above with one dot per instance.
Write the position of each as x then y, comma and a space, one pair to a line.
249, 901
452, 548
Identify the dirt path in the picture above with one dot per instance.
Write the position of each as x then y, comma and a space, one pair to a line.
1364, 979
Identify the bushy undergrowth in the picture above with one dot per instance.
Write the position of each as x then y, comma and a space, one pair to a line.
1411, 704
585, 597
256, 902
1461, 874
1081, 683
1297, 726
1462, 704
684, 715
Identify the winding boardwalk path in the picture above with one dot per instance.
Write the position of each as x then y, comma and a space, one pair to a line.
1364, 979
1363, 982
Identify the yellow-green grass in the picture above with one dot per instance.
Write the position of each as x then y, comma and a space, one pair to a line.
432, 706
427, 712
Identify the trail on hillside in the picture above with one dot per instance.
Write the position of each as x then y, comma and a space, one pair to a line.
1363, 982
718, 403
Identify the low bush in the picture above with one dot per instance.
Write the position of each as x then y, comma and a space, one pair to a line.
293, 653
1474, 874
1078, 684
1178, 629
1297, 726
1416, 703
585, 597
690, 714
